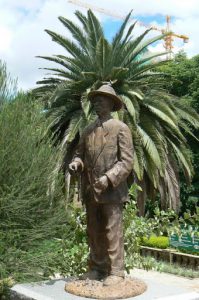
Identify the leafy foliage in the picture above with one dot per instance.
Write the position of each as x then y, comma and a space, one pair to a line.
65, 253
156, 118
27, 212
183, 78
68, 254
5, 285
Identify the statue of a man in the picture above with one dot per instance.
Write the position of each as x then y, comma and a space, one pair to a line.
105, 159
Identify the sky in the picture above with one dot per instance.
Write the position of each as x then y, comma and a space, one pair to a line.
22, 24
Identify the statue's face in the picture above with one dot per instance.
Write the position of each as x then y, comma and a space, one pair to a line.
102, 105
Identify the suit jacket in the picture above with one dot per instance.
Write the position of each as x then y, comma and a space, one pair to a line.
105, 149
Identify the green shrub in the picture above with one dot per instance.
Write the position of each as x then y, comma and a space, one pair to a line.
28, 212
5, 284
161, 242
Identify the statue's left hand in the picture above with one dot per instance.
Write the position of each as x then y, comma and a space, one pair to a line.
101, 184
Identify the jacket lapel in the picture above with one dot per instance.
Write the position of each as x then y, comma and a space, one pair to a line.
91, 142
103, 140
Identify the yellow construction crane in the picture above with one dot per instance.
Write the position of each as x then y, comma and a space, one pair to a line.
168, 40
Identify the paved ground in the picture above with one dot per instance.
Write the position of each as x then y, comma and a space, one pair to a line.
161, 286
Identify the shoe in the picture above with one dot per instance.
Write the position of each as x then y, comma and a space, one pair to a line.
92, 275
112, 280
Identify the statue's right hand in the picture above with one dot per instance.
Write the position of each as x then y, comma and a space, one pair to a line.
73, 167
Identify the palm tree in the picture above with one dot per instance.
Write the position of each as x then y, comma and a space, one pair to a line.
157, 119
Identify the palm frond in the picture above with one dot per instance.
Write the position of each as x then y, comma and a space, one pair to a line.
71, 47
150, 147
95, 31
76, 31
119, 35
183, 159
129, 105
103, 51
83, 19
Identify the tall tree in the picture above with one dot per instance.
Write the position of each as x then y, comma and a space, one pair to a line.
26, 160
155, 117
183, 81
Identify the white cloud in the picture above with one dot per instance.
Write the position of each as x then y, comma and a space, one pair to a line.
22, 25
6, 36
24, 38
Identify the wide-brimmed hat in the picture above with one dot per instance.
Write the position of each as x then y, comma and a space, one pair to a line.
107, 90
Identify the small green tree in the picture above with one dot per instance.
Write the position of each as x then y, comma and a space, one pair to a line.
28, 213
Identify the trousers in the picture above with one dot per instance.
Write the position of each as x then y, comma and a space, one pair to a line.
105, 238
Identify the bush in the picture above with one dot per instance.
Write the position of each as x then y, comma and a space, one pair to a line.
28, 212
66, 254
135, 228
161, 242
5, 284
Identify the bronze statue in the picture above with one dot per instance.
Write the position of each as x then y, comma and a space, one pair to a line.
105, 159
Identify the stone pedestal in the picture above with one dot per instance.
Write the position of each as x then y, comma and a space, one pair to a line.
160, 286
128, 287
